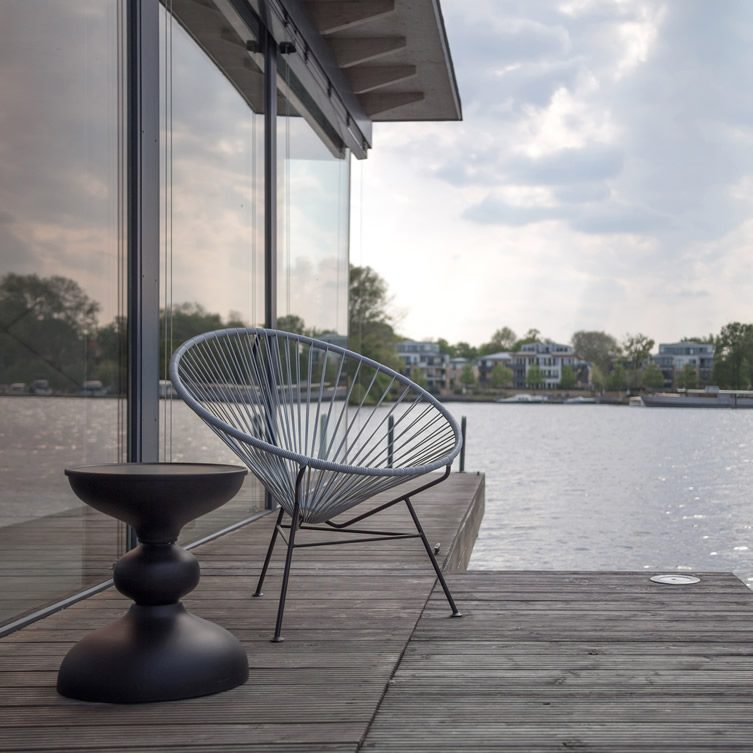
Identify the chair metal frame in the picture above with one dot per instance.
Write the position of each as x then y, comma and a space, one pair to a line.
239, 440
366, 535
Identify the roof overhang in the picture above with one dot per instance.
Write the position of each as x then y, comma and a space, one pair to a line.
394, 54
362, 61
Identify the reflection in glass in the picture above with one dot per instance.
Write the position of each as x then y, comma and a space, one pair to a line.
213, 218
313, 220
61, 291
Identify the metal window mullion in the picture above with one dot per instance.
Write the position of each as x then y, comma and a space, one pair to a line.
270, 181
143, 201
270, 191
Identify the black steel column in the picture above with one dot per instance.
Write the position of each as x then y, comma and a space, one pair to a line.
143, 195
270, 181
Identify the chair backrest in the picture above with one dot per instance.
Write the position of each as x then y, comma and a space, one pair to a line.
283, 402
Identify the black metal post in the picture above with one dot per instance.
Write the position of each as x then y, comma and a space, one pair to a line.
390, 441
462, 444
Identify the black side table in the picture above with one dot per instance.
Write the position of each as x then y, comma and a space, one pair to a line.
157, 651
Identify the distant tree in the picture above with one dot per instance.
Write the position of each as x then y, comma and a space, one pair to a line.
500, 376
532, 336
733, 356
651, 377
112, 347
418, 375
446, 348
599, 348
464, 350
468, 377
702, 339
569, 378
617, 379
535, 376
368, 299
370, 330
502, 340
181, 322
291, 323
687, 377
47, 331
636, 349
598, 380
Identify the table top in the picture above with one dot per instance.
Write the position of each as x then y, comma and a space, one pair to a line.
171, 470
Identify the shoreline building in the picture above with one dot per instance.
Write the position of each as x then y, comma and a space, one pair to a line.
423, 362
171, 168
486, 364
457, 368
674, 357
548, 356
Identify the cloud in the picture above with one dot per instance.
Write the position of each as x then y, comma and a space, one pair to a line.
494, 211
581, 193
613, 218
606, 144
566, 166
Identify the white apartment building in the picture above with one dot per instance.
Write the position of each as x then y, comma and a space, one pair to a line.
673, 357
424, 358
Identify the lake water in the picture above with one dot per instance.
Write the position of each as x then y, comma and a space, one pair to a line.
581, 487
597, 487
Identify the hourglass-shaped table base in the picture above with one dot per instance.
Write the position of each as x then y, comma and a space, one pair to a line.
157, 651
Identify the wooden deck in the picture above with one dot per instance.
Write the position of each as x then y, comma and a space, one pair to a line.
371, 662
51, 557
576, 662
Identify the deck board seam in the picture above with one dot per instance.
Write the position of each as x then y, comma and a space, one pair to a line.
395, 669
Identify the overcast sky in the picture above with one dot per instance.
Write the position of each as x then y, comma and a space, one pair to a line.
602, 177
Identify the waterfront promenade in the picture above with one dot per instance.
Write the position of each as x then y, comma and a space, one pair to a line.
372, 662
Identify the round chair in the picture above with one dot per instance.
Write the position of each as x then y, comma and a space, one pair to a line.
323, 428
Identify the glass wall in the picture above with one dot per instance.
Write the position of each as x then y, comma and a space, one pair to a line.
62, 256
212, 219
63, 266
313, 219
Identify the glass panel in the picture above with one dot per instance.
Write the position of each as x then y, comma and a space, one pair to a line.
213, 217
313, 220
61, 292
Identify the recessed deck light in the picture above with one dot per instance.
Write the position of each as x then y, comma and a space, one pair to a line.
674, 579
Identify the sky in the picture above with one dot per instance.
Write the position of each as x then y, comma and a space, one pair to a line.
601, 178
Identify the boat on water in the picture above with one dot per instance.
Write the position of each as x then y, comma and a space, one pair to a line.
523, 398
581, 400
708, 398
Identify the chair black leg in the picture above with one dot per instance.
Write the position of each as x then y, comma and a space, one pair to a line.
430, 552
259, 585
286, 574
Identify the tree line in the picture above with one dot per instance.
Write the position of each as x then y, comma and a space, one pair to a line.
49, 330
627, 364
615, 364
